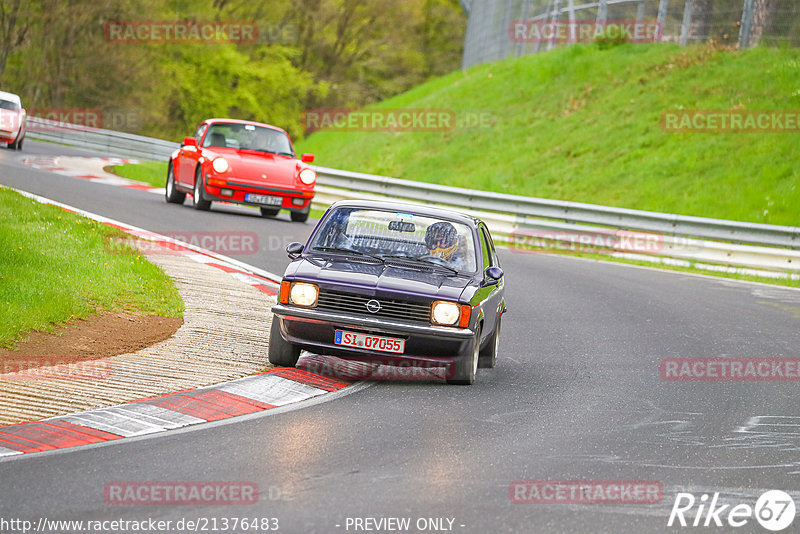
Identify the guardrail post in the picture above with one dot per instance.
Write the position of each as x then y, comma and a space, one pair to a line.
572, 28
662, 15
747, 25
526, 8
687, 21
602, 13
554, 23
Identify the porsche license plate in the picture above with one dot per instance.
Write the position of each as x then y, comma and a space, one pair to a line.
368, 341
266, 200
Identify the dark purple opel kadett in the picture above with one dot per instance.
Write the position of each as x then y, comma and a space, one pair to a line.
392, 283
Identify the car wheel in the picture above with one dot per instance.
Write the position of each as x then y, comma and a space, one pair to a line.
269, 212
281, 352
198, 201
171, 192
14, 145
488, 356
301, 216
467, 367
19, 144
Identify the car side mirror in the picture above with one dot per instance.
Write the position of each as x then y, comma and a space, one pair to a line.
492, 275
294, 249
189, 141
307, 158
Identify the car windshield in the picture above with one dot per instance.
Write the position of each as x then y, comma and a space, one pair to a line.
397, 236
7, 104
248, 137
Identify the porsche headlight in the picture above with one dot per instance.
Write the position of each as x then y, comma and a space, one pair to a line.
220, 165
308, 176
445, 313
303, 294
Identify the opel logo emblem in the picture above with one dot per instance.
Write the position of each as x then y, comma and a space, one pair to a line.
373, 306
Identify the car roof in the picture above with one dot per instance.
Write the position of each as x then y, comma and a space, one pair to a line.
414, 209
11, 97
240, 121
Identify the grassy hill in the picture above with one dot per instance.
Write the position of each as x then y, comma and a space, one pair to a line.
582, 124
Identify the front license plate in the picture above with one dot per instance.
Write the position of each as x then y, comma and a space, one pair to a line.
367, 341
263, 199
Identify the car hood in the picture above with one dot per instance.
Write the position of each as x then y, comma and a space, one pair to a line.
379, 280
259, 167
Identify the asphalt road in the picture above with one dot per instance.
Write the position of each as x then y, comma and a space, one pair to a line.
576, 395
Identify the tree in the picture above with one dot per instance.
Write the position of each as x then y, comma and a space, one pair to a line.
15, 16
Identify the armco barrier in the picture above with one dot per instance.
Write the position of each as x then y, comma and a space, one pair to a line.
685, 237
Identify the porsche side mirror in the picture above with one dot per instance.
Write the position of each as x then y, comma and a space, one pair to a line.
307, 158
294, 249
189, 141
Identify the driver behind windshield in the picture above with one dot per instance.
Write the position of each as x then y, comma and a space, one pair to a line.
263, 141
441, 238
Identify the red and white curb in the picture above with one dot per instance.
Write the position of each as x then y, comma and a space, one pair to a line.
51, 164
251, 394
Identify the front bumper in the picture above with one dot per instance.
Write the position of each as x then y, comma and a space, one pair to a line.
292, 199
314, 330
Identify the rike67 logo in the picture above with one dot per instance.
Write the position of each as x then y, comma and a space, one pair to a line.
774, 510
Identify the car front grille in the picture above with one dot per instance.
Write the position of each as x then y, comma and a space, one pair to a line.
390, 308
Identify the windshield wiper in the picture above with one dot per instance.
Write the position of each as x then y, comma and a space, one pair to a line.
347, 251
412, 259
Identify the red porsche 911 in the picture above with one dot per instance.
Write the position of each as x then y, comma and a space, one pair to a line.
242, 162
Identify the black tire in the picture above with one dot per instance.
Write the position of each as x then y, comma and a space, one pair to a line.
466, 368
198, 201
171, 193
301, 216
269, 212
16, 144
488, 356
281, 353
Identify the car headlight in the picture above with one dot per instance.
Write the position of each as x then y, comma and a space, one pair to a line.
445, 313
308, 176
303, 294
220, 165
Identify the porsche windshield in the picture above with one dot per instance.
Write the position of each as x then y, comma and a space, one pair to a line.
398, 236
248, 137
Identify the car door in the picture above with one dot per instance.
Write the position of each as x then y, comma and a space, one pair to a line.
187, 159
493, 303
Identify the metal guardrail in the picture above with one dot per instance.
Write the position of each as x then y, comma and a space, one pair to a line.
119, 143
508, 215
572, 212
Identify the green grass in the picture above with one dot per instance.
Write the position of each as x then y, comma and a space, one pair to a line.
55, 268
582, 124
149, 172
